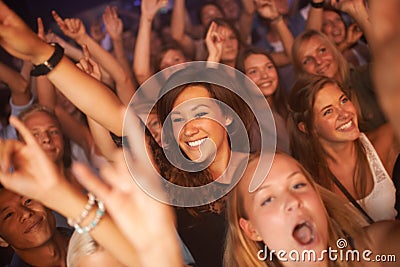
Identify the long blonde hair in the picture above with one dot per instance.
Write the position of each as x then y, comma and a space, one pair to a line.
343, 74
240, 250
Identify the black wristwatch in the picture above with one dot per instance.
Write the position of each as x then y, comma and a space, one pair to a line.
51, 63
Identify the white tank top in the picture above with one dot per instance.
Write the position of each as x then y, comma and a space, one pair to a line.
379, 204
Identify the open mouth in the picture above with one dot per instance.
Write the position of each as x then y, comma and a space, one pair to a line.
345, 126
197, 142
304, 233
265, 84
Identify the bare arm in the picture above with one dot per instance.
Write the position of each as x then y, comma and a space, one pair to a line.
314, 20
20, 92
141, 59
267, 9
178, 27
357, 10
35, 176
246, 20
114, 28
385, 47
75, 29
81, 89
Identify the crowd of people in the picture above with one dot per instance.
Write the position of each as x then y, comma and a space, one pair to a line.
268, 130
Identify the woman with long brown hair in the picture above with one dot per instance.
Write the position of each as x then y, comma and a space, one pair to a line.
325, 138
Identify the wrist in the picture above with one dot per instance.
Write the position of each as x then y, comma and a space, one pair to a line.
50, 63
46, 51
277, 19
81, 40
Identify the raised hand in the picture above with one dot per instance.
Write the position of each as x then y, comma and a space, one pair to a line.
267, 9
214, 41
40, 27
88, 65
73, 28
113, 23
19, 40
354, 33
349, 6
96, 32
150, 8
34, 175
137, 214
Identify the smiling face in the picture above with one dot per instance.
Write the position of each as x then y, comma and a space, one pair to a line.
198, 125
335, 117
24, 223
285, 212
230, 45
333, 26
262, 72
48, 134
316, 57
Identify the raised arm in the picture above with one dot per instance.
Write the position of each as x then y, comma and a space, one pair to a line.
36, 176
75, 29
81, 89
99, 134
385, 46
314, 20
141, 59
214, 40
19, 87
358, 11
144, 219
267, 9
246, 20
178, 28
114, 27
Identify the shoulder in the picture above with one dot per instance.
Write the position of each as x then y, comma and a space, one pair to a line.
384, 141
384, 237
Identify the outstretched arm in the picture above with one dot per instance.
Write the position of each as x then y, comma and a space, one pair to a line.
358, 11
36, 176
178, 28
114, 27
19, 87
385, 46
81, 89
267, 9
141, 59
75, 29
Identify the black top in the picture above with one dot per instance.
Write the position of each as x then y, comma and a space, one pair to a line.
204, 233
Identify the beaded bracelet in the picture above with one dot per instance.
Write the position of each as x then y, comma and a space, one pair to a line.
99, 214
85, 212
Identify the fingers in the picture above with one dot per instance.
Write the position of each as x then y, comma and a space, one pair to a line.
7, 149
24, 132
117, 174
91, 182
40, 26
86, 53
58, 19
